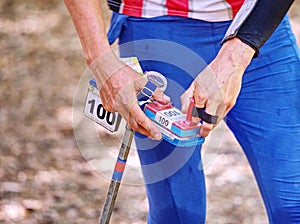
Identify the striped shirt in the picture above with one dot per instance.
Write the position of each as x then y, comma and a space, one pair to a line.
207, 10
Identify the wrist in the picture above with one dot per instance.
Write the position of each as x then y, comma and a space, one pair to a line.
104, 66
93, 50
239, 53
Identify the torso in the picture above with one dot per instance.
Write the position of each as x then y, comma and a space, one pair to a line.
207, 10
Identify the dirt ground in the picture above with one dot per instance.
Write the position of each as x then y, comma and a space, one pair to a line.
45, 177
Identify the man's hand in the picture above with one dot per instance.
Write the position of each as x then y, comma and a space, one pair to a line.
119, 85
217, 87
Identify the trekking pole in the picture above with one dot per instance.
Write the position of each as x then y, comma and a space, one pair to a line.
117, 176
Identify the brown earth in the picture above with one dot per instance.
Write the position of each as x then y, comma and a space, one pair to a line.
44, 177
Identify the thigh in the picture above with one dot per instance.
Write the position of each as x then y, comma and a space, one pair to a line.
173, 175
174, 182
179, 48
266, 122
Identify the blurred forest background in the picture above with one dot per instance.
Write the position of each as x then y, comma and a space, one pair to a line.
44, 177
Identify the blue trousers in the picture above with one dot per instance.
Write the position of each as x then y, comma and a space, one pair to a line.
265, 119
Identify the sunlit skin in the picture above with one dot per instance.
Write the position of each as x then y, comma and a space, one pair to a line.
118, 83
216, 88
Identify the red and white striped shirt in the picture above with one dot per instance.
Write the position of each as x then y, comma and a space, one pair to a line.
207, 10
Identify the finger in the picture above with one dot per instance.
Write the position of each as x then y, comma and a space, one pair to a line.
135, 117
133, 123
229, 107
206, 128
138, 128
200, 100
159, 96
221, 113
144, 122
196, 120
186, 98
185, 102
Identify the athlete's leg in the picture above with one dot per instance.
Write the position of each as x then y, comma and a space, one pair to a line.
173, 175
266, 122
174, 182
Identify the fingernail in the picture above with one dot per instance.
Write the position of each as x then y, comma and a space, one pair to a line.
166, 98
157, 136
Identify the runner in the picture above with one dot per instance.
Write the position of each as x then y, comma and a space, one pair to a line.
252, 81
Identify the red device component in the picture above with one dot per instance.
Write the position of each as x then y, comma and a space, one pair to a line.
172, 120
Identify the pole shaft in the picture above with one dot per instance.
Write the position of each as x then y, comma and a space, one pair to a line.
117, 176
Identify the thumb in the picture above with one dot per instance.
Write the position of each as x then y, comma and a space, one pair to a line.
159, 96
186, 98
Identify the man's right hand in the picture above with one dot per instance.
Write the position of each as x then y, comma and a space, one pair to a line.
119, 85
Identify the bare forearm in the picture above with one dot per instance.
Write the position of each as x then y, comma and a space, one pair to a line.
88, 20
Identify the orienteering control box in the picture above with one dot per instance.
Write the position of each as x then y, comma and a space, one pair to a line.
176, 128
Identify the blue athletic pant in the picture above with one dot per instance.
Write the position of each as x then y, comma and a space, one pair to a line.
265, 119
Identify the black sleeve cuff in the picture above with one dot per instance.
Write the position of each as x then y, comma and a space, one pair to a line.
258, 26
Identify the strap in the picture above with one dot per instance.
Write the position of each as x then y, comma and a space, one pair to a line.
147, 91
200, 112
194, 111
